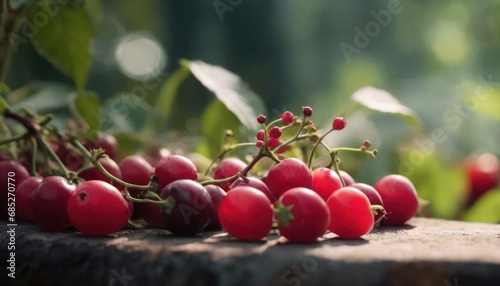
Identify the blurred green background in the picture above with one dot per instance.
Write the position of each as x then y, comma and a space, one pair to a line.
439, 58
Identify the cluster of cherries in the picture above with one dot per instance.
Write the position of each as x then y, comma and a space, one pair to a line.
169, 192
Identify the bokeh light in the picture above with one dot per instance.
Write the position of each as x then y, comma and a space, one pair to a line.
140, 56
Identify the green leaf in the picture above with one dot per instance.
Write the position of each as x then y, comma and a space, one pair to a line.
486, 208
164, 103
65, 39
442, 185
41, 97
86, 106
215, 120
128, 143
382, 101
490, 105
4, 106
4, 90
231, 90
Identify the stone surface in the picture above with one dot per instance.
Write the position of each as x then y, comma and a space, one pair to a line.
423, 252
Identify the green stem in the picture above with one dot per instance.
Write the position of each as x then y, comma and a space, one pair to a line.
360, 150
256, 159
224, 152
99, 166
54, 157
337, 168
297, 134
320, 139
167, 204
14, 139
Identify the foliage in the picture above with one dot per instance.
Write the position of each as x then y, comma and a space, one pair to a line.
65, 41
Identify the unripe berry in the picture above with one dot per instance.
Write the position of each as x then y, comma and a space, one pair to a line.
339, 123
261, 119
275, 132
287, 117
307, 111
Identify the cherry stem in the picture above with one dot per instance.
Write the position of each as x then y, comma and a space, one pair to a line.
361, 150
297, 134
336, 167
31, 125
264, 150
376, 210
167, 204
320, 139
54, 157
15, 138
94, 159
226, 150
262, 153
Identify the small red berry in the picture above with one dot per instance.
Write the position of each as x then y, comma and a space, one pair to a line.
287, 117
275, 132
260, 135
259, 144
307, 111
339, 123
261, 119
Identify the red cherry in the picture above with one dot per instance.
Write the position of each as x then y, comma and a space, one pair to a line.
136, 170
70, 158
246, 214
324, 182
151, 214
104, 141
289, 173
287, 117
50, 201
24, 198
173, 168
302, 215
339, 123
348, 180
155, 156
11, 175
216, 194
399, 197
372, 195
483, 173
254, 183
109, 165
192, 209
350, 213
97, 208
227, 168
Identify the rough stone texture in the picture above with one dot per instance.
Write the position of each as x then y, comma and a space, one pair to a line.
423, 252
